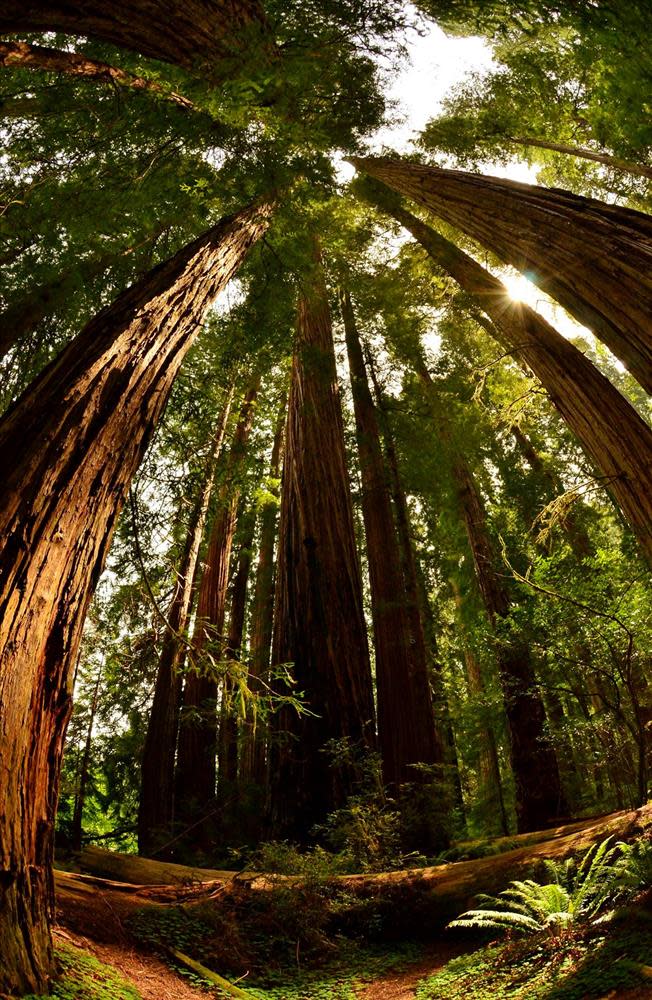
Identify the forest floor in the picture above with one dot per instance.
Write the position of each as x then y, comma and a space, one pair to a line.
132, 927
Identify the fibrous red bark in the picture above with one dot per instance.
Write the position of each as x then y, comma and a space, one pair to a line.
593, 258
69, 447
192, 34
319, 625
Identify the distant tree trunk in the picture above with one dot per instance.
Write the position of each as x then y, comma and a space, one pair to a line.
196, 758
489, 779
418, 606
69, 447
252, 763
605, 424
319, 622
539, 796
545, 233
197, 34
406, 722
228, 736
156, 808
26, 56
607, 160
84, 767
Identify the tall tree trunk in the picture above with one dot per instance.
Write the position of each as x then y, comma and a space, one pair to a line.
319, 622
545, 233
406, 722
156, 807
69, 447
539, 796
252, 763
195, 34
26, 56
422, 624
607, 160
196, 758
605, 424
228, 737
489, 778
84, 767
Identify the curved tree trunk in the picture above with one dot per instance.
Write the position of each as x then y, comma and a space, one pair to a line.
319, 623
605, 424
69, 448
22, 55
252, 763
195, 34
196, 758
406, 722
156, 807
593, 258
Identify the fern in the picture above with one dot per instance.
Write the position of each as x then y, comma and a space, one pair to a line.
575, 892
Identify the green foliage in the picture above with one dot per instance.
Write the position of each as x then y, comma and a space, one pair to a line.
635, 866
82, 977
576, 892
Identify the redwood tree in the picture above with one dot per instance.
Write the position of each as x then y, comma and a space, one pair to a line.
156, 807
190, 34
406, 723
319, 625
69, 447
593, 258
606, 425
196, 757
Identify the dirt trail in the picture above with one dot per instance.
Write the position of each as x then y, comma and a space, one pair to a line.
402, 985
152, 978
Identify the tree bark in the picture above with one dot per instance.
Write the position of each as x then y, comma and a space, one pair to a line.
406, 722
69, 447
605, 424
614, 162
593, 258
195, 34
196, 758
156, 807
252, 763
22, 55
539, 796
319, 623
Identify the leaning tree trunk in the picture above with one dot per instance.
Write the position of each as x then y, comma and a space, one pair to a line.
200, 35
196, 758
539, 796
156, 807
69, 448
606, 425
593, 258
406, 722
319, 623
584, 153
252, 762
22, 55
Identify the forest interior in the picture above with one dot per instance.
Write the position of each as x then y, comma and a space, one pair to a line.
326, 499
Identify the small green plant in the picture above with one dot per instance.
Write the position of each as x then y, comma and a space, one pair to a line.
82, 977
635, 868
575, 892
